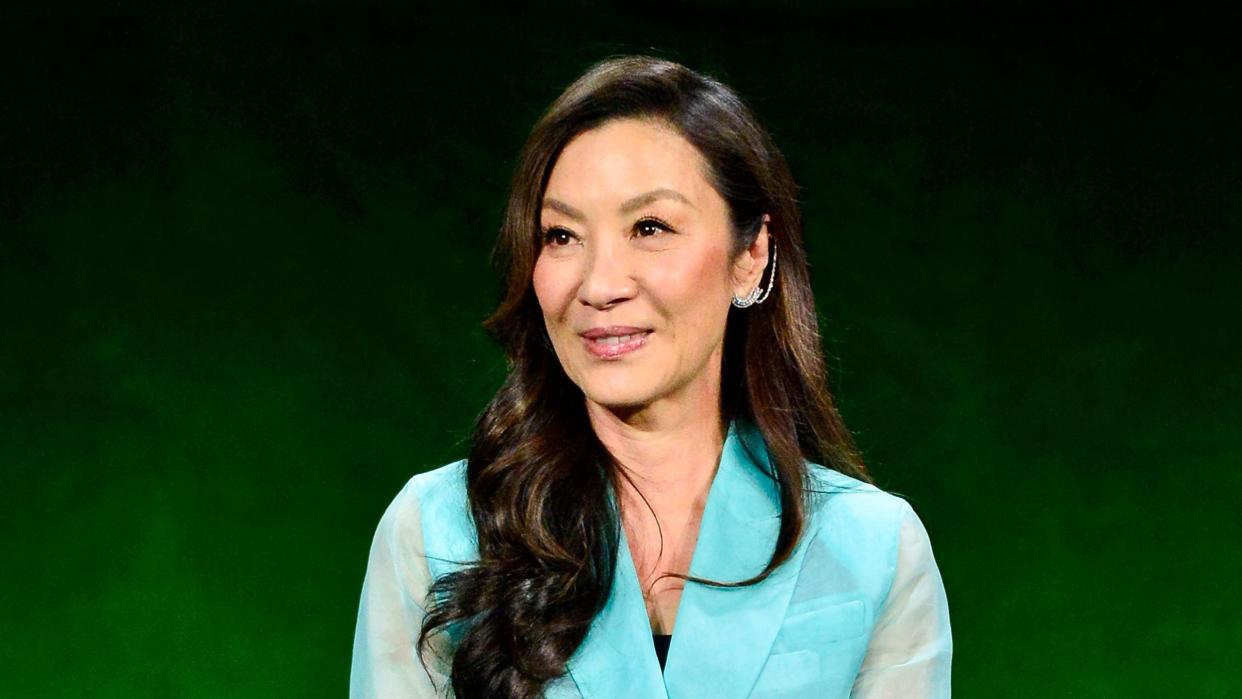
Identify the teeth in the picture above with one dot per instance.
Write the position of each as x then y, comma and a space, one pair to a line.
614, 340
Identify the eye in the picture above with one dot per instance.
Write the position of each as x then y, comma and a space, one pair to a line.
651, 224
557, 237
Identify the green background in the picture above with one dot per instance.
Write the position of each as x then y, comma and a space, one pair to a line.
243, 262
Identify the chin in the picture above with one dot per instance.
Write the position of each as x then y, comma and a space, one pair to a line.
617, 394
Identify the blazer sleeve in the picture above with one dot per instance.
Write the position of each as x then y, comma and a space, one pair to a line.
390, 614
911, 648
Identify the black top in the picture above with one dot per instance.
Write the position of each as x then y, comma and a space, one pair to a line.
661, 641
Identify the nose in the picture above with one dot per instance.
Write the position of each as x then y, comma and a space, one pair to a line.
607, 276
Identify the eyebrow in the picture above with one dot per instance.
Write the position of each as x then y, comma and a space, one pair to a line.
626, 206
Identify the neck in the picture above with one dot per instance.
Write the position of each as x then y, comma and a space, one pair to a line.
670, 450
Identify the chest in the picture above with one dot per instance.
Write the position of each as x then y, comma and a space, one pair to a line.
657, 551
803, 631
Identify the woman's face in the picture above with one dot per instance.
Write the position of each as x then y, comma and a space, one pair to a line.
634, 278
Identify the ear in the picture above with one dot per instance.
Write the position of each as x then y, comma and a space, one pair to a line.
747, 269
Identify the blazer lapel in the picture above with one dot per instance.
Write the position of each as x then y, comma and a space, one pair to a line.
721, 636
617, 658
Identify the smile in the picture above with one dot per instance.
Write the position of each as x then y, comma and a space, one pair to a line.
614, 346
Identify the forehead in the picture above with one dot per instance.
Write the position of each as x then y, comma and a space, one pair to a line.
624, 157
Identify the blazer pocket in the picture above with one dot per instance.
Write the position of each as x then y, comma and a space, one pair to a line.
813, 627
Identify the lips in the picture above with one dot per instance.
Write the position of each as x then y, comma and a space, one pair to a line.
613, 330
614, 342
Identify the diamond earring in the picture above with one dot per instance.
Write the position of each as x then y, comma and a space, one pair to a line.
754, 297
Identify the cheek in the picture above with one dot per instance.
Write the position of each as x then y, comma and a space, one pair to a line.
694, 279
693, 291
550, 288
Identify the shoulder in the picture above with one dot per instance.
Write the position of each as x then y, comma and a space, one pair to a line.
838, 496
441, 490
875, 531
428, 500
440, 485
437, 498
855, 514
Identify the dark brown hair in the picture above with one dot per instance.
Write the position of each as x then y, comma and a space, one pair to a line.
538, 479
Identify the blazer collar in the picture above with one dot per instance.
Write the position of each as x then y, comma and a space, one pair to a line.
721, 636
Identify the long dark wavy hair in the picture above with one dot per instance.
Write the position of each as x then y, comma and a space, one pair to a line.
539, 480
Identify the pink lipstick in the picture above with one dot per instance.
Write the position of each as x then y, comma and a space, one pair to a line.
614, 341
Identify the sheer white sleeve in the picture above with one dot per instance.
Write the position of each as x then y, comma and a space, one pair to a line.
911, 647
390, 613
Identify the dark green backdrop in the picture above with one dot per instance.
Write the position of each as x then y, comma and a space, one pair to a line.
243, 261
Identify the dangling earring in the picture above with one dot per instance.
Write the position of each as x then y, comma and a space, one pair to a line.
754, 297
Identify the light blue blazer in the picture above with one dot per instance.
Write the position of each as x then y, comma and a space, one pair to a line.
858, 611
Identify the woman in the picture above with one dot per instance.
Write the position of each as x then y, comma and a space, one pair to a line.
661, 500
